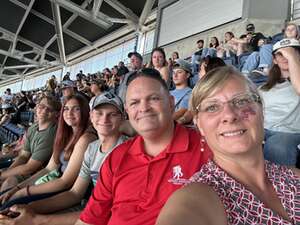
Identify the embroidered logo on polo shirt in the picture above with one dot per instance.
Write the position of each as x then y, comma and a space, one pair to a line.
177, 174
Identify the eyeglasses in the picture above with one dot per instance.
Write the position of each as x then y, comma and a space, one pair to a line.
238, 102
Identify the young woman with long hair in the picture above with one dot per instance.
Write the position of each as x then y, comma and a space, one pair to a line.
72, 138
159, 62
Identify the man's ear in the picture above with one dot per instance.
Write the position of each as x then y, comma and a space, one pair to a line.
172, 103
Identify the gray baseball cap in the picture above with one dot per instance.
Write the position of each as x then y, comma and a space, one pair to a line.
183, 64
67, 84
108, 98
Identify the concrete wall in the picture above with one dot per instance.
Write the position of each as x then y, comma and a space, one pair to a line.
268, 16
267, 9
187, 46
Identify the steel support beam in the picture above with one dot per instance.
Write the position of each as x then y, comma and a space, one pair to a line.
146, 12
101, 20
78, 37
20, 67
50, 21
96, 6
74, 16
24, 71
21, 25
123, 10
19, 57
35, 46
59, 32
3, 75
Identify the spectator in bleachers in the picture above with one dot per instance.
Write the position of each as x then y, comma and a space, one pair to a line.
211, 51
122, 70
106, 116
213, 62
114, 70
8, 96
79, 84
97, 88
228, 48
139, 175
242, 44
159, 62
214, 42
72, 138
237, 186
38, 145
6, 115
182, 92
207, 64
10, 151
171, 61
261, 57
51, 84
67, 76
196, 57
80, 75
68, 88
22, 105
281, 95
254, 37
291, 30
136, 63
86, 88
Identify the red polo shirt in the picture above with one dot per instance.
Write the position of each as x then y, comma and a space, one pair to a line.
133, 187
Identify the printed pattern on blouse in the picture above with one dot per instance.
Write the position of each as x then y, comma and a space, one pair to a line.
242, 206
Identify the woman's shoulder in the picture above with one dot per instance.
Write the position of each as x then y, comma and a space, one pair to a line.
191, 202
87, 137
164, 69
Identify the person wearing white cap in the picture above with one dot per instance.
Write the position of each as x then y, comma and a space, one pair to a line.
106, 115
281, 95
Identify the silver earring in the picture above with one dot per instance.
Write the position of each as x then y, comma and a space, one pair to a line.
202, 144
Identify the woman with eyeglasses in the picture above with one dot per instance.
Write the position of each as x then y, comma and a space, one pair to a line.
281, 95
237, 186
72, 138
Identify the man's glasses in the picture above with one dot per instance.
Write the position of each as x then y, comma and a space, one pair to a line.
238, 102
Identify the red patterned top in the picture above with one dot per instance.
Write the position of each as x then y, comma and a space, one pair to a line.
242, 206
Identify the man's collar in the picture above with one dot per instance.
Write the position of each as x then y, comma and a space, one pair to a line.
179, 142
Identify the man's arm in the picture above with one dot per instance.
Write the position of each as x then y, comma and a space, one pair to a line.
98, 208
79, 222
27, 216
23, 165
63, 200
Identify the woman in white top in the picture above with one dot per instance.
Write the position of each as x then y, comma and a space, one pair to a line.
281, 95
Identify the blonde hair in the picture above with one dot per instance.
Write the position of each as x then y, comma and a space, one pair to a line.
297, 29
216, 79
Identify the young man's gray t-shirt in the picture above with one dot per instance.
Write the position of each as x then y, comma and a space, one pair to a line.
93, 159
40, 143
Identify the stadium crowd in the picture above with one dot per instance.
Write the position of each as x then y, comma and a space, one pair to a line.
218, 132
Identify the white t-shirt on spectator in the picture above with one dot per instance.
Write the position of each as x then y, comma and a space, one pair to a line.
7, 98
281, 108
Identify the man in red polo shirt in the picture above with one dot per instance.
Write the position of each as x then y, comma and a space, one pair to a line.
138, 177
